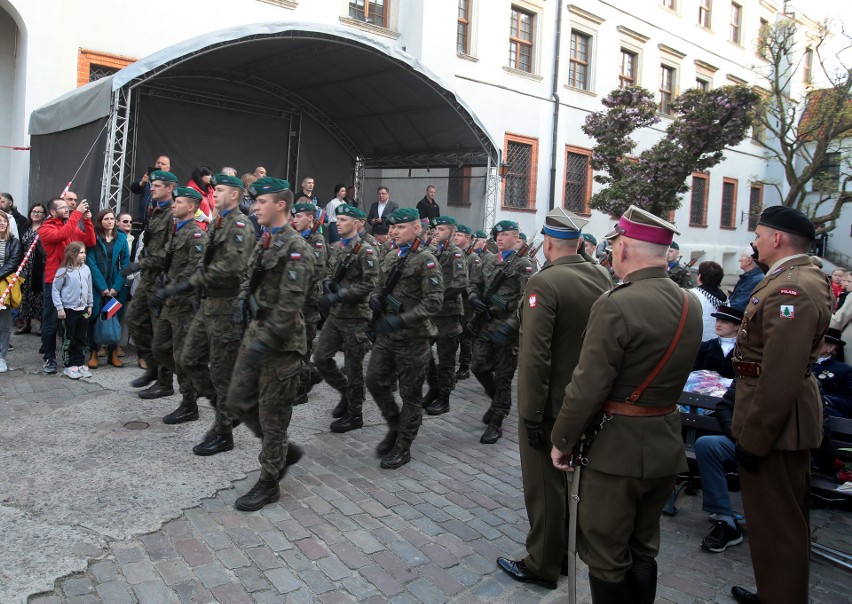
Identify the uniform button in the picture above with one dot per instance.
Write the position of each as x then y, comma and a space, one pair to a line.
563, 441
538, 412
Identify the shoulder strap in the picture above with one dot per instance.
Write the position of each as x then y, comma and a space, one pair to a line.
638, 392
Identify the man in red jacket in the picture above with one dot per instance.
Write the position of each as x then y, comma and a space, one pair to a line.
63, 227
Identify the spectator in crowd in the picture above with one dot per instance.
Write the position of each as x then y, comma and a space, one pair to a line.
710, 276
306, 190
428, 207
10, 258
105, 260
142, 187
31, 304
381, 208
842, 320
350, 196
19, 221
847, 287
330, 207
259, 172
200, 181
125, 223
72, 298
247, 203
228, 171
834, 377
716, 354
752, 275
837, 282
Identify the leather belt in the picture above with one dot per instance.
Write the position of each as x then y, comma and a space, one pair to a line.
747, 369
222, 293
629, 409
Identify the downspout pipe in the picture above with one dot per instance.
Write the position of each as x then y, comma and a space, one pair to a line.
554, 93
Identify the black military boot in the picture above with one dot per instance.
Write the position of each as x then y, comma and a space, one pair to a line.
463, 372
155, 390
340, 410
146, 378
643, 584
214, 443
606, 592
387, 443
493, 432
486, 417
396, 458
186, 412
294, 454
263, 492
431, 396
439, 405
347, 423
300, 399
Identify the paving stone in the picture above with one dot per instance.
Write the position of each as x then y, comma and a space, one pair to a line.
104, 571
333, 568
426, 592
312, 549
158, 546
233, 557
351, 556
382, 580
46, 599
252, 579
152, 592
410, 554
193, 592
276, 540
174, 571
283, 580
316, 581
263, 558
365, 542
195, 552
231, 594
78, 586
212, 575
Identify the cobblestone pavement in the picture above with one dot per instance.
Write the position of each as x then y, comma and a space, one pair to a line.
345, 530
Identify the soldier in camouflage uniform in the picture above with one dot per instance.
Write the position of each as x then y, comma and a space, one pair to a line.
442, 377
140, 318
495, 349
210, 348
270, 361
174, 304
353, 268
464, 240
402, 323
678, 273
304, 222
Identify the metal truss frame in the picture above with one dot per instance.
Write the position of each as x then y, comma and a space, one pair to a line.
116, 156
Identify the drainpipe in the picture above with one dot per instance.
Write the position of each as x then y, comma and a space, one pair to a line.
554, 93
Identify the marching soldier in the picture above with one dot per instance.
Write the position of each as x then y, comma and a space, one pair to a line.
464, 241
210, 348
442, 377
173, 304
677, 271
353, 268
408, 294
270, 360
554, 313
494, 292
640, 343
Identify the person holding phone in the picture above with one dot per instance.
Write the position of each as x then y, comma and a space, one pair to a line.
142, 187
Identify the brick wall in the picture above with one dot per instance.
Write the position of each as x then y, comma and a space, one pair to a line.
85, 59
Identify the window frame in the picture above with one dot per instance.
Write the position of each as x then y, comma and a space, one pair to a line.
464, 177
635, 75
705, 14
570, 149
516, 11
733, 222
808, 65
670, 5
386, 12
705, 176
572, 60
673, 92
533, 180
753, 216
735, 28
464, 22
86, 58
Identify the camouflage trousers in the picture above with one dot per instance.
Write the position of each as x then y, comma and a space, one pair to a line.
140, 326
443, 375
209, 354
312, 318
494, 366
466, 338
261, 395
169, 333
404, 361
352, 335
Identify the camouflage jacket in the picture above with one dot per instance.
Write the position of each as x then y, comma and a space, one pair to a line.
357, 282
504, 303
155, 238
225, 264
454, 271
319, 251
183, 253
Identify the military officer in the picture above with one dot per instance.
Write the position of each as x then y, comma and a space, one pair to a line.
403, 327
463, 239
495, 291
304, 221
266, 375
778, 412
210, 348
140, 318
677, 271
640, 342
554, 312
174, 304
353, 268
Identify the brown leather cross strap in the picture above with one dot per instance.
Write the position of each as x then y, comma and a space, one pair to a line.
620, 408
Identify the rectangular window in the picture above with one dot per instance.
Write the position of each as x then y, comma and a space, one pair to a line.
463, 29
667, 86
458, 187
827, 178
729, 203
702, 84
521, 40
807, 65
627, 75
669, 4
519, 184
736, 22
370, 11
704, 8
578, 180
762, 38
580, 64
698, 200
755, 205
93, 65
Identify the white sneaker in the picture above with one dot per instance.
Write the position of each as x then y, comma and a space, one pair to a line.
72, 373
3, 367
84, 371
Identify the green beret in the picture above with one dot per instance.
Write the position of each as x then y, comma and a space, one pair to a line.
401, 215
162, 175
449, 220
227, 179
187, 192
267, 184
304, 207
463, 228
480, 235
523, 236
505, 225
590, 238
345, 209
673, 245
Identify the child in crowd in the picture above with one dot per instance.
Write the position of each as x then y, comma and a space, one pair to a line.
72, 297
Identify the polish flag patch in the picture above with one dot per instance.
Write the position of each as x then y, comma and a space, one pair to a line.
370, 251
529, 269
533, 300
430, 264
241, 225
295, 256
318, 244
198, 235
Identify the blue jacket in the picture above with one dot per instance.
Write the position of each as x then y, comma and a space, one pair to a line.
742, 290
835, 384
106, 272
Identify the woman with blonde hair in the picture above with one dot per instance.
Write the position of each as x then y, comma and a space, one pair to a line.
10, 258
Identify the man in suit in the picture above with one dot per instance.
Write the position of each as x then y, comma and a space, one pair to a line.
382, 208
716, 354
640, 343
778, 412
554, 312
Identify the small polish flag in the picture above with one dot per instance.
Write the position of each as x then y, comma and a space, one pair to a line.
110, 308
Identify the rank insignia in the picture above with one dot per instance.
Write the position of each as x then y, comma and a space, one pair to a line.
295, 256
789, 292
533, 300
238, 237
788, 311
433, 280
460, 265
370, 263
197, 249
291, 275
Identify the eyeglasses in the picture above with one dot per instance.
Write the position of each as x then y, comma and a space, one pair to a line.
37, 212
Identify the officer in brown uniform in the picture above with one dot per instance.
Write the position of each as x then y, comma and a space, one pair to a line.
639, 347
463, 239
778, 411
554, 312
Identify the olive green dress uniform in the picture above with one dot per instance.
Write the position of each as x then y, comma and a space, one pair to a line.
634, 461
346, 324
778, 417
319, 250
210, 348
403, 355
442, 377
186, 248
472, 262
261, 394
554, 313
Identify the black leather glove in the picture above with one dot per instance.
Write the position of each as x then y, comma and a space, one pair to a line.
479, 304
330, 287
327, 301
535, 434
130, 269
376, 303
157, 300
501, 335
389, 323
256, 351
747, 460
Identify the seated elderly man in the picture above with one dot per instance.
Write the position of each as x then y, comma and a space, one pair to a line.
834, 377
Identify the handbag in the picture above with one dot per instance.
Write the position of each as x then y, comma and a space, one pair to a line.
107, 331
15, 295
